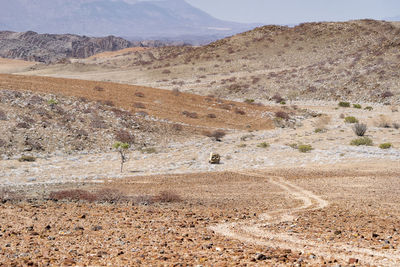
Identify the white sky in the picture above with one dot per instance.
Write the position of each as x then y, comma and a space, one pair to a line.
296, 11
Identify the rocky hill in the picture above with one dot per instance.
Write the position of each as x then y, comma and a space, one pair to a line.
47, 48
329, 61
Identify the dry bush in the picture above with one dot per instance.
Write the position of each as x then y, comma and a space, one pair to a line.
282, 115
7, 195
73, 195
139, 105
23, 125
383, 122
98, 123
239, 111
124, 137
167, 197
360, 129
166, 72
139, 94
110, 195
3, 116
177, 127
122, 114
217, 135
277, 98
176, 92
98, 88
225, 106
108, 103
211, 116
387, 94
192, 115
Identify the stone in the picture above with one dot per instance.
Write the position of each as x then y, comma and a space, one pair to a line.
260, 257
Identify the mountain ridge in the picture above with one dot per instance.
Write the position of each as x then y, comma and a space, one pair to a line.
145, 19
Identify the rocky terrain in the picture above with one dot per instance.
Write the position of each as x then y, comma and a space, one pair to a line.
48, 48
355, 60
309, 146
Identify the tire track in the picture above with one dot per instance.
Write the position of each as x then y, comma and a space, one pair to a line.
257, 231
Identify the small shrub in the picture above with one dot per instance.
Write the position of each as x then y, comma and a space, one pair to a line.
166, 72
369, 108
148, 150
98, 123
282, 115
350, 119
239, 111
27, 159
167, 197
192, 115
211, 116
344, 104
263, 145
387, 94
385, 145
357, 106
139, 105
249, 101
360, 129
217, 135
73, 195
23, 125
362, 141
242, 145
7, 195
3, 116
282, 103
176, 92
293, 145
98, 88
278, 98
396, 125
319, 130
177, 127
52, 103
139, 94
304, 148
108, 103
109, 195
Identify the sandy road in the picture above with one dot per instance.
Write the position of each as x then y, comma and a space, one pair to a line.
260, 232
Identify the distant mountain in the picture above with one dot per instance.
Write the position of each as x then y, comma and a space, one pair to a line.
53, 47
133, 19
396, 18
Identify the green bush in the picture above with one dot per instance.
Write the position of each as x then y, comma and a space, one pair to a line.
344, 104
362, 141
304, 148
350, 119
283, 103
263, 145
319, 130
356, 106
249, 101
369, 108
385, 145
27, 159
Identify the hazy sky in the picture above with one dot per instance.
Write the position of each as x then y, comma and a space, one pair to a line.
296, 11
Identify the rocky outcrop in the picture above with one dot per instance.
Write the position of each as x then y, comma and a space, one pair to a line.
50, 48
